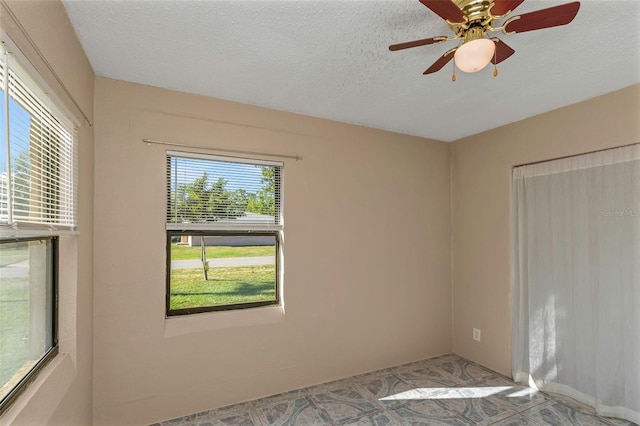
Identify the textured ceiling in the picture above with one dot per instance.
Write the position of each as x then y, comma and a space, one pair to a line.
330, 58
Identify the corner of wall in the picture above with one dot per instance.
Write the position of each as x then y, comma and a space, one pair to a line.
452, 183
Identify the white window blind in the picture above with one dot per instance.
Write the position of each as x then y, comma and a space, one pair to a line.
207, 192
37, 158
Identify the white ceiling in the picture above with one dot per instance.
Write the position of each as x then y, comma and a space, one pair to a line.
330, 58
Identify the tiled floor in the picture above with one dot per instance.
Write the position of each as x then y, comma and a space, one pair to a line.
447, 390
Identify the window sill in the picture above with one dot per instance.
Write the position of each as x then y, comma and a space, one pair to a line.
221, 320
39, 400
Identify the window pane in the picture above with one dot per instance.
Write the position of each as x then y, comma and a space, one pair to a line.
37, 159
41, 159
222, 193
237, 270
26, 308
4, 213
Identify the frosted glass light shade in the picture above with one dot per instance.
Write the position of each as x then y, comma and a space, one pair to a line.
474, 55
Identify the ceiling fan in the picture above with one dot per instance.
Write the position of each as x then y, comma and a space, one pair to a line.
472, 21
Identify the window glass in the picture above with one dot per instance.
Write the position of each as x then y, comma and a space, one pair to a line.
37, 203
224, 227
27, 304
37, 188
222, 270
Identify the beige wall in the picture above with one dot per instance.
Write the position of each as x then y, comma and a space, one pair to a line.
366, 257
367, 247
481, 167
62, 392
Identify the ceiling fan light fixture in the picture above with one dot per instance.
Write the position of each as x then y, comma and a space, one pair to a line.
473, 20
474, 55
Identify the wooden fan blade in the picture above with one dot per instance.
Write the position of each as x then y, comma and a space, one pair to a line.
446, 9
501, 7
544, 18
416, 43
503, 51
441, 62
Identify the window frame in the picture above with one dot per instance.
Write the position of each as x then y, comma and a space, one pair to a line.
21, 81
24, 382
23, 85
229, 307
222, 228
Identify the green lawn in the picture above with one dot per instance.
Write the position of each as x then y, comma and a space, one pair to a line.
180, 252
225, 286
17, 253
14, 317
14, 326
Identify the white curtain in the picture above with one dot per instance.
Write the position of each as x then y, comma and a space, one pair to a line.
576, 292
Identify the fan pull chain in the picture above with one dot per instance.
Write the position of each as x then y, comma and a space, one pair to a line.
453, 77
495, 62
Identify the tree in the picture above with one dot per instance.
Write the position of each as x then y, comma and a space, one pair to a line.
264, 202
201, 201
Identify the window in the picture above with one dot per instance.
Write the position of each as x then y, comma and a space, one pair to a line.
223, 233
37, 205
27, 309
576, 278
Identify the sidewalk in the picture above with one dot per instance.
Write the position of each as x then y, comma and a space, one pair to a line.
225, 261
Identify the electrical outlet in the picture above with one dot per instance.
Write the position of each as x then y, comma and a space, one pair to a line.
476, 334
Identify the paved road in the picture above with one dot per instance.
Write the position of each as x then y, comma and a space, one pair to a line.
21, 269
15, 270
225, 261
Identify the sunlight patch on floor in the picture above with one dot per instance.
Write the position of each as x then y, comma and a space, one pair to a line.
526, 392
451, 393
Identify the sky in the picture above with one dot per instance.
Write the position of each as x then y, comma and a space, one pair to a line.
19, 125
237, 175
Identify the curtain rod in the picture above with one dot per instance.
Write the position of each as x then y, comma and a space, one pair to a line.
574, 155
44, 60
234, 151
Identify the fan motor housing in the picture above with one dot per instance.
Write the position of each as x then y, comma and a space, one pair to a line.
478, 19
475, 10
